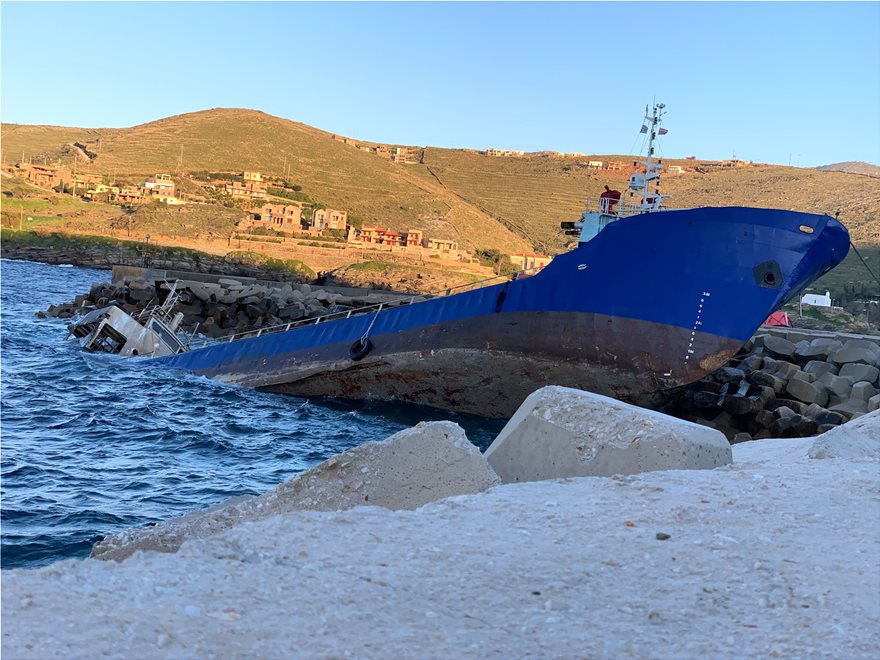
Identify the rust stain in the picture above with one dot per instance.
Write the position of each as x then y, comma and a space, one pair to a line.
716, 360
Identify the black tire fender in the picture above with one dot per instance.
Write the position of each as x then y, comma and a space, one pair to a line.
360, 349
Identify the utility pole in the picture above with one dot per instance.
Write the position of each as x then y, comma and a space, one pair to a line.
73, 190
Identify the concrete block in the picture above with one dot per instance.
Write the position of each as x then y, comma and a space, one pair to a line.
562, 432
859, 372
863, 391
852, 408
839, 385
871, 345
807, 392
827, 345
822, 416
752, 363
874, 403
862, 355
429, 462
728, 375
819, 368
859, 438
764, 379
786, 370
779, 348
803, 375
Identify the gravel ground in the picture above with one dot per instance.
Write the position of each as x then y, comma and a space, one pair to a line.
775, 555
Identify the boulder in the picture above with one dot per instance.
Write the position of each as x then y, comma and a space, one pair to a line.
859, 372
429, 462
874, 403
562, 432
857, 439
807, 392
803, 375
779, 348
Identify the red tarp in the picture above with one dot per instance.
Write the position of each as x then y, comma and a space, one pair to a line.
778, 318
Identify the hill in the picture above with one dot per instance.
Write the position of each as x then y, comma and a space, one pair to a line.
853, 167
508, 203
371, 189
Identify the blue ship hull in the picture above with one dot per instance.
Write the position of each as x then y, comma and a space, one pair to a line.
653, 302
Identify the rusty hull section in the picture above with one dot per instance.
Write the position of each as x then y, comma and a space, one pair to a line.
488, 365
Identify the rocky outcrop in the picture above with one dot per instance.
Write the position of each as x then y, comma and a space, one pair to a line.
429, 462
562, 432
102, 252
778, 388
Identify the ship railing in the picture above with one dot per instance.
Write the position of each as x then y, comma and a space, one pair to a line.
621, 209
163, 311
370, 309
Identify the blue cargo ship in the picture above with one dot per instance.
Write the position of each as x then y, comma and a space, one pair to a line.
650, 299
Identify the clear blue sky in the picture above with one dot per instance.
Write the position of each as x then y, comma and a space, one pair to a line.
768, 81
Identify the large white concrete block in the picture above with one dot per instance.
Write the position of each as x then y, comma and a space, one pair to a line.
562, 432
429, 462
859, 438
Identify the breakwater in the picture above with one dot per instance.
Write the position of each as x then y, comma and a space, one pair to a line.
227, 307
788, 383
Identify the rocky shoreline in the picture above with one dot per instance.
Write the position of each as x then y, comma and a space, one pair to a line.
101, 252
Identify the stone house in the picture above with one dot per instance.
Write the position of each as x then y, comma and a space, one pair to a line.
530, 261
443, 247
282, 217
330, 219
47, 177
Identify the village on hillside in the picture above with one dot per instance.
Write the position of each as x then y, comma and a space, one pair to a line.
269, 205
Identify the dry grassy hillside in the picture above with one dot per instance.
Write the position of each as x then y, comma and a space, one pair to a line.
35, 142
368, 187
532, 195
506, 203
857, 197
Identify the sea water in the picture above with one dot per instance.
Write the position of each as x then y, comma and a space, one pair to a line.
91, 444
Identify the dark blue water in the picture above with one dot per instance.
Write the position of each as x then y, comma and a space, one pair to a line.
93, 443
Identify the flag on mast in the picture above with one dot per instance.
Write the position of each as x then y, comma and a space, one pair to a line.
644, 129
662, 131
